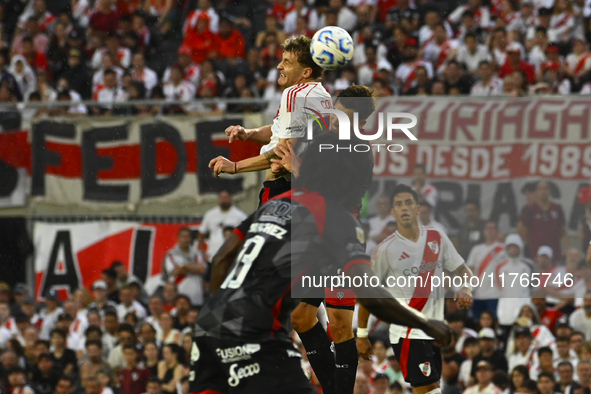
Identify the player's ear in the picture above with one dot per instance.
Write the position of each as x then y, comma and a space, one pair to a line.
307, 72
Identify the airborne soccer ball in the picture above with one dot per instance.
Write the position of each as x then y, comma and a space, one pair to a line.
331, 48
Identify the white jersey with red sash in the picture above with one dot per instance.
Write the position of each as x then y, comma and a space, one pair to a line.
410, 277
480, 261
579, 64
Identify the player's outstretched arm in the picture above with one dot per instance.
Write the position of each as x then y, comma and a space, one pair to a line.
261, 162
383, 306
262, 135
223, 260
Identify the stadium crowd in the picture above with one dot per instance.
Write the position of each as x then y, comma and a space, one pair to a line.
113, 51
115, 338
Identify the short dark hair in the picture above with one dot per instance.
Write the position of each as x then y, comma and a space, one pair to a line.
27, 39
546, 374
64, 94
116, 264
470, 35
300, 47
567, 363
111, 313
109, 71
182, 296
365, 106
470, 341
110, 273
469, 13
92, 329
154, 379
562, 338
60, 332
402, 188
129, 346
543, 350
126, 327
94, 342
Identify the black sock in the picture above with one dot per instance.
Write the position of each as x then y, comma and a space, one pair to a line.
347, 359
317, 344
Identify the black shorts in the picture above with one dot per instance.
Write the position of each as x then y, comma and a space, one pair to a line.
335, 303
247, 368
420, 361
273, 189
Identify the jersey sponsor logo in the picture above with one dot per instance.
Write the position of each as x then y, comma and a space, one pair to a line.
237, 374
424, 267
134, 376
425, 368
237, 353
293, 353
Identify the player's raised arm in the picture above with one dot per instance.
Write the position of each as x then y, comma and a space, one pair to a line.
385, 307
262, 135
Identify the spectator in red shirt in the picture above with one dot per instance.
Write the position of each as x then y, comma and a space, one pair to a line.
272, 52
542, 223
200, 39
106, 18
548, 316
133, 379
514, 63
230, 42
37, 60
281, 8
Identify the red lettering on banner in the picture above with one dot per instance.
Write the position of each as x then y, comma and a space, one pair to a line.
568, 119
462, 122
550, 117
503, 119
15, 149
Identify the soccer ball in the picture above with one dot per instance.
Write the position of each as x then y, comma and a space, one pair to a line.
331, 48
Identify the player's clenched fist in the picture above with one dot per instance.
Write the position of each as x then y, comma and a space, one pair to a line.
221, 164
236, 132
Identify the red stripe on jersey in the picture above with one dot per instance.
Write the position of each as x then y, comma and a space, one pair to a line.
290, 95
421, 294
277, 310
404, 351
489, 257
266, 194
355, 262
293, 97
239, 233
315, 204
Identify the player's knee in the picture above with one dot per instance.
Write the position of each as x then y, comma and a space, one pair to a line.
341, 327
303, 319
